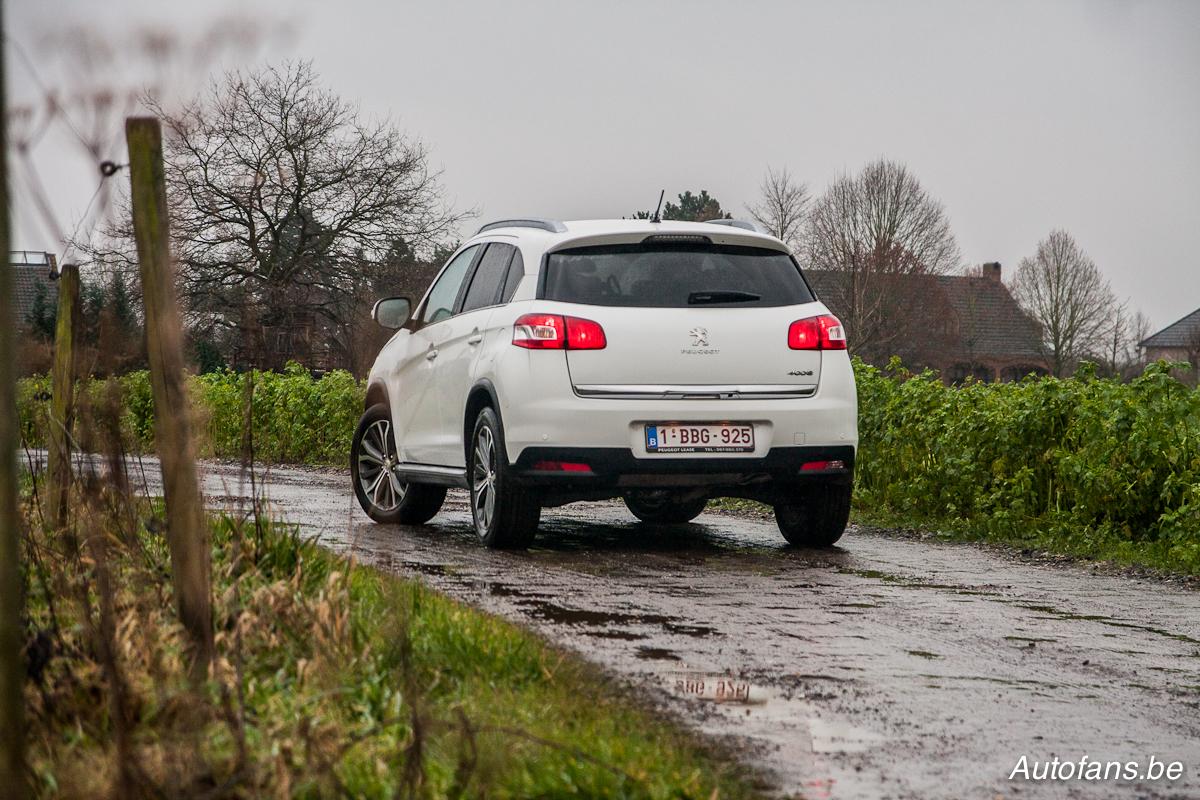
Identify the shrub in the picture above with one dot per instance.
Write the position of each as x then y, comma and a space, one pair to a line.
1119, 460
296, 418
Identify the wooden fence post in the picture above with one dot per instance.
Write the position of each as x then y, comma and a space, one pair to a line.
187, 529
12, 633
62, 397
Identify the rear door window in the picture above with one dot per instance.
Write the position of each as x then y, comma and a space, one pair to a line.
516, 271
674, 276
489, 275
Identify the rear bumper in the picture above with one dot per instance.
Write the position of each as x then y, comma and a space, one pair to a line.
539, 410
613, 471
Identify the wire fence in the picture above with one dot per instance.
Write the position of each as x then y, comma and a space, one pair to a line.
84, 84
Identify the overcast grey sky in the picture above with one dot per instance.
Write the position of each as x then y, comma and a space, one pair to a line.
1019, 116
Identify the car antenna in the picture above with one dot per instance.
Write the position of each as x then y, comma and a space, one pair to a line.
656, 217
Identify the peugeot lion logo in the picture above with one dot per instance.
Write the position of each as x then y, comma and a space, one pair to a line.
700, 345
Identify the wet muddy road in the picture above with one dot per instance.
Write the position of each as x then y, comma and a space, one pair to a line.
884, 668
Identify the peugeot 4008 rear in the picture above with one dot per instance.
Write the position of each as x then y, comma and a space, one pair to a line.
665, 364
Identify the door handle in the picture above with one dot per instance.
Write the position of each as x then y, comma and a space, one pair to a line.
475, 338
431, 355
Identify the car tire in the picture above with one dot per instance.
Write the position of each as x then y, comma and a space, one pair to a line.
815, 516
384, 498
664, 508
504, 514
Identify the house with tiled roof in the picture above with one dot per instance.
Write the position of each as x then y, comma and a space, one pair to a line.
31, 271
962, 325
1179, 341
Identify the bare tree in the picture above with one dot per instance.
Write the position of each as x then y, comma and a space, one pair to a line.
1120, 354
881, 236
781, 207
284, 202
1062, 289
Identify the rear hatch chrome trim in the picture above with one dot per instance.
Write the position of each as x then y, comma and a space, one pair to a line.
639, 391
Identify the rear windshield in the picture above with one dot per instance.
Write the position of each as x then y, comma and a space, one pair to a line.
674, 276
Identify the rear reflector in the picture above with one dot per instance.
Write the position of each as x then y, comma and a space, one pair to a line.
811, 466
555, 332
560, 466
817, 333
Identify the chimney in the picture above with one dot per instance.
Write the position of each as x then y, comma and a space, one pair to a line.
991, 269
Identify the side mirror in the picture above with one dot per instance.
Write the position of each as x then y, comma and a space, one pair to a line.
392, 312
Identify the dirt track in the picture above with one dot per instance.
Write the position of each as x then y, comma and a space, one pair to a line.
888, 667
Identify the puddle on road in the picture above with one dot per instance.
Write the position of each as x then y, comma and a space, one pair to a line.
561, 615
504, 590
656, 654
1015, 683
715, 688
440, 570
1058, 613
696, 631
628, 636
822, 749
923, 654
897, 580
601, 624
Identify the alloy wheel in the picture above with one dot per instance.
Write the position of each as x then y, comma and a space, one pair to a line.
376, 468
483, 479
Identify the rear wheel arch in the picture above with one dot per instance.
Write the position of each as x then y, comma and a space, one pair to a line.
482, 395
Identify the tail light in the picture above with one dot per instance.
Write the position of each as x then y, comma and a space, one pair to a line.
556, 332
817, 333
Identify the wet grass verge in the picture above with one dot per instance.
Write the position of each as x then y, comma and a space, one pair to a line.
1044, 537
331, 679
1050, 536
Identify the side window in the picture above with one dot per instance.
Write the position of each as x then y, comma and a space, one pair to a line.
516, 271
440, 304
485, 285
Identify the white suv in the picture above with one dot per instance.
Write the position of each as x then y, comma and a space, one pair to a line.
664, 363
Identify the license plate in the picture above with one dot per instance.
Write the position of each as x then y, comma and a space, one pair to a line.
725, 437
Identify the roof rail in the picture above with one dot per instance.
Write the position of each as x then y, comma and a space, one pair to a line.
542, 224
735, 223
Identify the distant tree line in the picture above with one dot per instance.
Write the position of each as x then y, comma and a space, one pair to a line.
883, 232
110, 332
291, 214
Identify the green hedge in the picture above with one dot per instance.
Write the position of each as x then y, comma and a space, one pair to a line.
1080, 458
297, 418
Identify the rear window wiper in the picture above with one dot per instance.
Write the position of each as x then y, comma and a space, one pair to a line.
725, 296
